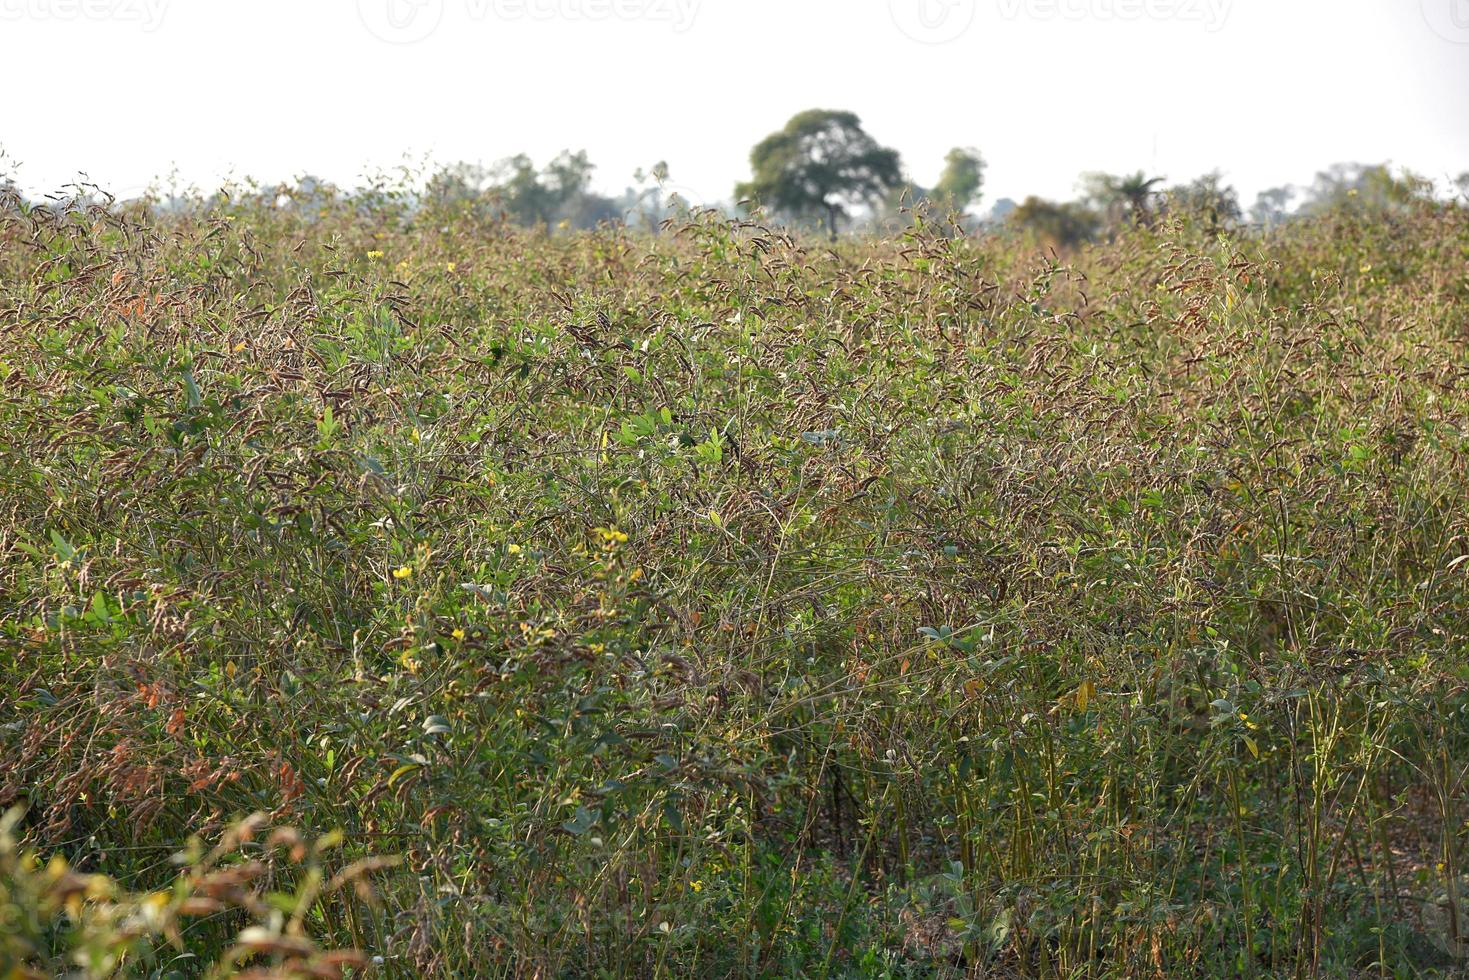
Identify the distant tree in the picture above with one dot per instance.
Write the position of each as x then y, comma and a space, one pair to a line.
1060, 225
823, 163
652, 201
961, 184
1207, 197
1128, 196
515, 189
568, 176
1365, 188
458, 185
959, 188
648, 200
1271, 206
309, 195
1461, 182
588, 210
1137, 191
1002, 209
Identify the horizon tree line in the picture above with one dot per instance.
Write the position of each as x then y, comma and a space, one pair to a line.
824, 172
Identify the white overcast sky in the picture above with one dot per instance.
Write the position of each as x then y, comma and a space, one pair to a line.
1269, 91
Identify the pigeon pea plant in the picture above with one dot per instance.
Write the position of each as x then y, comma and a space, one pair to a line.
58, 921
719, 603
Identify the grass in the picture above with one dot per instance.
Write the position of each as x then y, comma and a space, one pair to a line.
717, 604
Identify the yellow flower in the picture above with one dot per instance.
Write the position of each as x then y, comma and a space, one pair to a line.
696, 886
374, 254
515, 549
402, 573
458, 634
451, 267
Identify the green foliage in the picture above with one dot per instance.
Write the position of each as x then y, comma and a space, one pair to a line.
1372, 189
248, 899
961, 184
714, 604
1206, 198
822, 163
515, 190
1271, 206
1128, 197
1057, 225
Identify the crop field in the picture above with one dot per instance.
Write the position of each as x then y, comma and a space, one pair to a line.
391, 591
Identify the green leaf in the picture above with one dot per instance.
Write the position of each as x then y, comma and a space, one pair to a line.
192, 389
64, 549
578, 825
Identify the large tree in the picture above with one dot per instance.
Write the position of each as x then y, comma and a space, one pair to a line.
962, 182
823, 163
